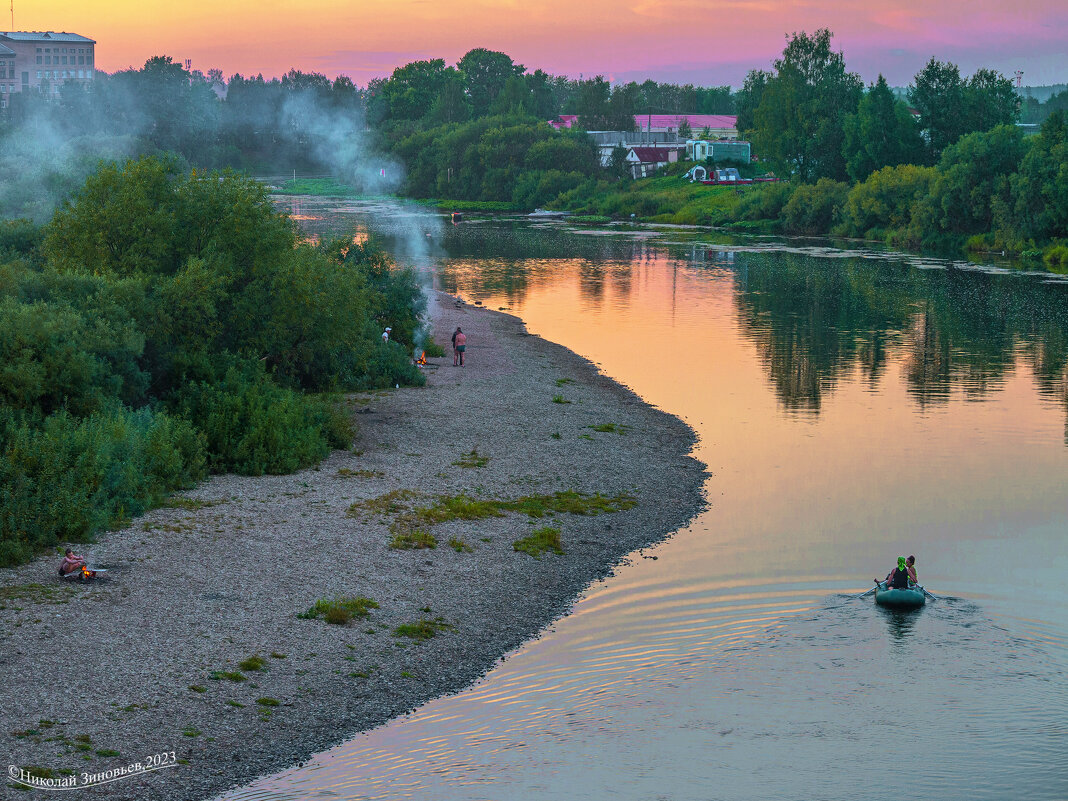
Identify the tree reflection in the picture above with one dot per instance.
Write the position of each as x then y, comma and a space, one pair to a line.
814, 320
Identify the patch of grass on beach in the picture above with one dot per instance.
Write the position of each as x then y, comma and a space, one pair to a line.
237, 704
433, 349
422, 629
40, 773
610, 428
198, 688
229, 675
255, 662
38, 593
463, 507
560, 399
276, 655
540, 540
344, 472
340, 609
560, 382
108, 752
190, 504
459, 545
413, 540
472, 459
391, 502
268, 702
191, 731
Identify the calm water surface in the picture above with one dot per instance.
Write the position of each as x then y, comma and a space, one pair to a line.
851, 407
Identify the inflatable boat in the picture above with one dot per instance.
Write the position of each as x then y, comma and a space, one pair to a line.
912, 598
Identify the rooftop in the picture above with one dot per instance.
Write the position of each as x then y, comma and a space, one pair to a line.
44, 36
696, 121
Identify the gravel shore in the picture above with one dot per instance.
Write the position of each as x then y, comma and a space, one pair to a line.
100, 675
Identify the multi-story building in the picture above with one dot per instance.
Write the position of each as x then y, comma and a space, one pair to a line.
43, 61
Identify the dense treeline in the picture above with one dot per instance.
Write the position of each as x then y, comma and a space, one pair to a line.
165, 324
992, 190
957, 173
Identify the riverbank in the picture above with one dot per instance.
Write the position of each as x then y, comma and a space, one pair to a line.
107, 673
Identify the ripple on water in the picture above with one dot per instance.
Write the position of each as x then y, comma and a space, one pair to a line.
747, 688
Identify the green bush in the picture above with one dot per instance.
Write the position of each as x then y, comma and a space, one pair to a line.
253, 426
813, 209
67, 479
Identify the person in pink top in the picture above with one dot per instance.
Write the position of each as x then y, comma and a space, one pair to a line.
459, 345
71, 562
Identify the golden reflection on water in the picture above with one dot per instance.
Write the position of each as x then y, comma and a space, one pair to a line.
847, 413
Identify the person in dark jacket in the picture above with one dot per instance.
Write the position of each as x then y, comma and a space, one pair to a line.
899, 578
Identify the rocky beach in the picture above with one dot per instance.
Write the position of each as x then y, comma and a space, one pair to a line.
196, 647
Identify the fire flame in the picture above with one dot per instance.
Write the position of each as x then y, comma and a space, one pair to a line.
422, 358
87, 573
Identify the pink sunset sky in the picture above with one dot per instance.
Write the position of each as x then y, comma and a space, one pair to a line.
709, 42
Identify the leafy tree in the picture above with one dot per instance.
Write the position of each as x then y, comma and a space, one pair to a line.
1039, 208
991, 100
412, 89
974, 173
799, 124
882, 133
452, 103
685, 132
747, 101
485, 73
938, 95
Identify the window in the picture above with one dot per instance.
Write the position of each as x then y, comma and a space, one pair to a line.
48, 60
38, 75
81, 75
64, 59
38, 59
81, 59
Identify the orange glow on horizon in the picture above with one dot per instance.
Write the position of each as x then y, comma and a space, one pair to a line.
677, 40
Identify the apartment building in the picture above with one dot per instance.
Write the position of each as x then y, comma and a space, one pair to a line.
43, 61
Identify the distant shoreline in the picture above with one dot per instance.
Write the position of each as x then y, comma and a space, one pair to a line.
146, 662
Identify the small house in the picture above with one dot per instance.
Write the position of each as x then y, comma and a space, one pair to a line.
644, 161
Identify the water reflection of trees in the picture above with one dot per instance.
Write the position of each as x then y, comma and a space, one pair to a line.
814, 320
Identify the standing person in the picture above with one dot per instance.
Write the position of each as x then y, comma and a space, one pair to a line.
385, 335
459, 345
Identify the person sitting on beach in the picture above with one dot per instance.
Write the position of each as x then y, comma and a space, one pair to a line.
898, 578
71, 563
910, 565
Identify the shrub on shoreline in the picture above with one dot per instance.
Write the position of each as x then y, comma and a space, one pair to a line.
165, 323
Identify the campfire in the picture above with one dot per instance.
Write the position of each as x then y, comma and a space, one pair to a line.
87, 573
421, 361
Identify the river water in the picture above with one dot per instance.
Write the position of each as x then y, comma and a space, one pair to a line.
851, 406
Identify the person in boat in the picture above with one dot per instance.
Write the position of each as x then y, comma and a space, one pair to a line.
898, 578
910, 565
71, 563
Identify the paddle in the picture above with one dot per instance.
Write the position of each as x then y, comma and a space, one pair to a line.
869, 592
931, 595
